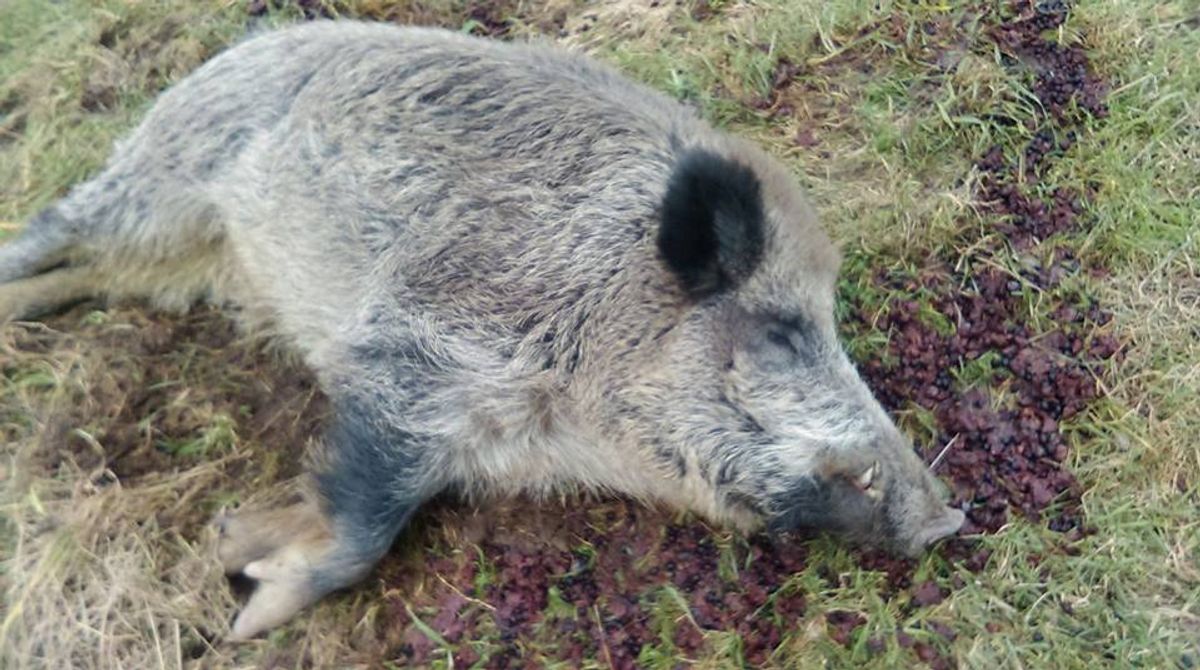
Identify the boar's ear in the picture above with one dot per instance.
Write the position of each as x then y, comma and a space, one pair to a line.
712, 231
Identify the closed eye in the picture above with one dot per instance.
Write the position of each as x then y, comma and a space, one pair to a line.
780, 339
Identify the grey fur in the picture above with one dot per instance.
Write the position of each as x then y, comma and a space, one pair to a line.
459, 237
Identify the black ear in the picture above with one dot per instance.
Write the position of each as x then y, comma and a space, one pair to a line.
712, 222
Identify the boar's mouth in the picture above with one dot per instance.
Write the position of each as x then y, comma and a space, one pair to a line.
816, 504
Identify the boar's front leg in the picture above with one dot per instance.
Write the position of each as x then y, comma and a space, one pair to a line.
369, 479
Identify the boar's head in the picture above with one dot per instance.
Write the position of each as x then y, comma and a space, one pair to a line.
760, 405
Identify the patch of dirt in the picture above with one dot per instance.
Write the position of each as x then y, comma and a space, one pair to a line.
703, 10
1009, 450
809, 94
158, 386
1006, 448
1063, 81
126, 432
129, 55
582, 581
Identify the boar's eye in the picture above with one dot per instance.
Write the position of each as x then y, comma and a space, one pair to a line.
778, 337
781, 343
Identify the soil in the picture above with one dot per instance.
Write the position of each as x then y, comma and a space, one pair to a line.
1007, 450
583, 581
157, 382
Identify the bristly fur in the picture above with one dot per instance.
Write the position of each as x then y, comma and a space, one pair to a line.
512, 269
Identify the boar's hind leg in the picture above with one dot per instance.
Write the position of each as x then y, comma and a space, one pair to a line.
45, 293
42, 244
369, 479
34, 277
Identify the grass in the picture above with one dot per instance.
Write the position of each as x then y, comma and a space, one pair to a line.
104, 568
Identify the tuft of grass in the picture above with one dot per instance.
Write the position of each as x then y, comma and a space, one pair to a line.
217, 437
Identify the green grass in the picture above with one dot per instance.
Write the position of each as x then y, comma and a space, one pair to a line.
218, 437
899, 115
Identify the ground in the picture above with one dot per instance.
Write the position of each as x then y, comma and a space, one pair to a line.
1015, 186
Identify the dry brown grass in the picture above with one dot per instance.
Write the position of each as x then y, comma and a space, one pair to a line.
118, 450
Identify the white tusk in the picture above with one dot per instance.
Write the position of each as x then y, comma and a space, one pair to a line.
864, 480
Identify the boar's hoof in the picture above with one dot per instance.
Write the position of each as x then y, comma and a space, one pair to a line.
285, 551
249, 536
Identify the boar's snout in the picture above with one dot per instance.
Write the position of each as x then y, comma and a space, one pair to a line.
918, 513
882, 496
948, 524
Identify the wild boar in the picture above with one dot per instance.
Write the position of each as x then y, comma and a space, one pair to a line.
512, 270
